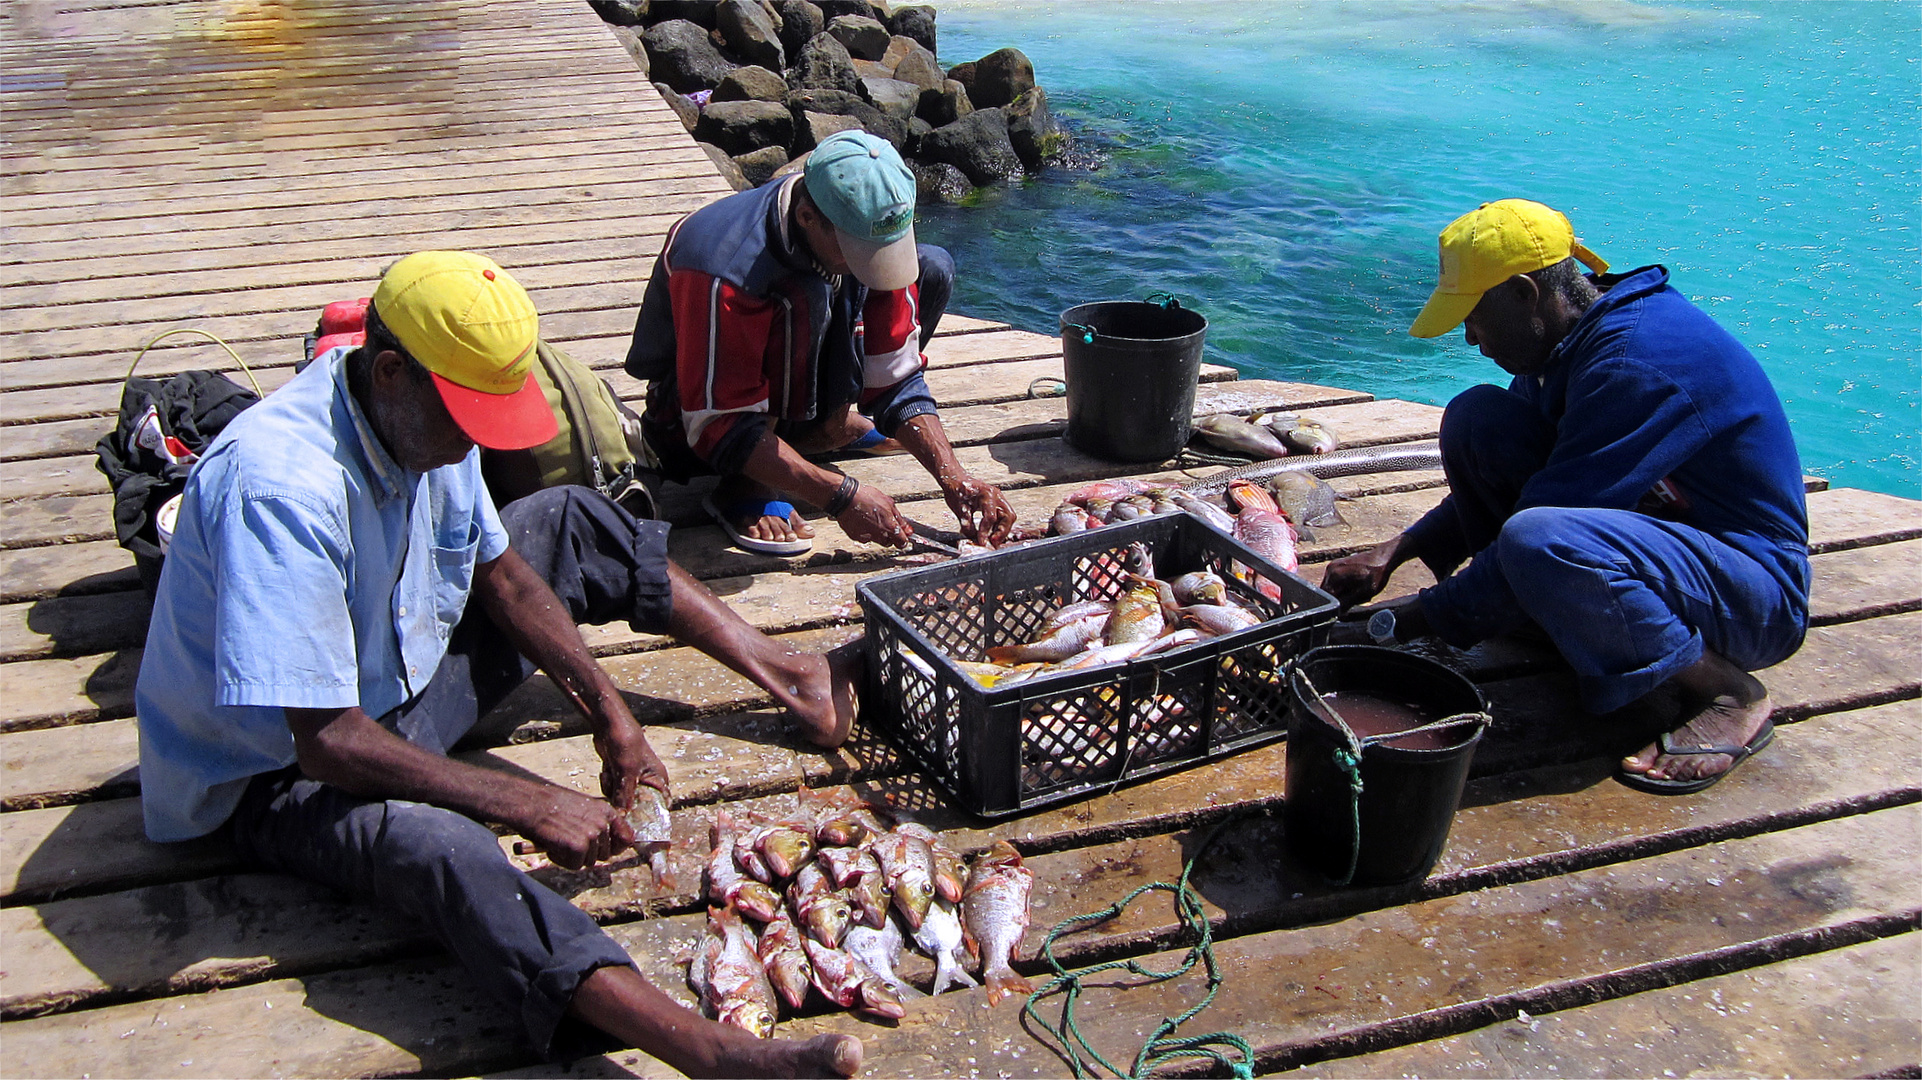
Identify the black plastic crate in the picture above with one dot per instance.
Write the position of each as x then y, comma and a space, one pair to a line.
1057, 737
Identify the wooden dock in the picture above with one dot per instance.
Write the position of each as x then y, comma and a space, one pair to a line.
234, 166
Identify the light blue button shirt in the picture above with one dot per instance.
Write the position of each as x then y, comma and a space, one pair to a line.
307, 570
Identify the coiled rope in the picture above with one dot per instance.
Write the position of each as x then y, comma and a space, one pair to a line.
1225, 1048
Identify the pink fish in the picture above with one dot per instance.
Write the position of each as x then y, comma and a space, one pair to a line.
1106, 489
1270, 536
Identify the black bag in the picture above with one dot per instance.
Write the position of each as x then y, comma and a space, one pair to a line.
164, 424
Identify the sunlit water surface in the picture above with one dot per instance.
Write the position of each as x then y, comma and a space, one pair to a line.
1284, 168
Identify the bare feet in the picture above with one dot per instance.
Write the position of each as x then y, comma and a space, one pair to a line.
778, 528
1734, 707
823, 1055
824, 696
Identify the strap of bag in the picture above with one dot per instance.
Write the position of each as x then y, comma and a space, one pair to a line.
576, 406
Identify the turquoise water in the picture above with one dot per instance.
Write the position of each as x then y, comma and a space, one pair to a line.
1284, 168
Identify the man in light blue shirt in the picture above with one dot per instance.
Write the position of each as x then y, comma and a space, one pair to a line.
313, 655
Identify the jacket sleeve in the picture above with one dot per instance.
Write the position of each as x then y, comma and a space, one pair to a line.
1626, 427
893, 390
721, 339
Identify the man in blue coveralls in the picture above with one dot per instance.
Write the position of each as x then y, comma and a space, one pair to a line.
340, 604
1635, 492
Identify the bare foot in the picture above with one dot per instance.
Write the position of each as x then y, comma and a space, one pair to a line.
823, 1055
777, 528
824, 697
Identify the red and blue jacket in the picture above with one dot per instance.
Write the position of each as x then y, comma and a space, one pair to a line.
740, 329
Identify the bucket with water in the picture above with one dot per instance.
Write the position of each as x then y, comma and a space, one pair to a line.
1379, 745
1131, 368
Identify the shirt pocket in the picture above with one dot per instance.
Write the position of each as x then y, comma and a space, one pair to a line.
453, 567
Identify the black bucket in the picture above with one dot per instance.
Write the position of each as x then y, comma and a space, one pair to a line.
1392, 831
1131, 370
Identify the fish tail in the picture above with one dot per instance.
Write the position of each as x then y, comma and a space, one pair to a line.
1004, 982
1005, 654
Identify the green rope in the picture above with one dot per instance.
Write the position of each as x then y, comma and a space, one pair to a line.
1087, 332
1162, 1046
1167, 299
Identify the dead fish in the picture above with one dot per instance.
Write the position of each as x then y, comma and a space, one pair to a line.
1138, 560
870, 895
843, 864
841, 818
1109, 490
941, 937
1132, 507
727, 884
995, 914
1060, 645
1308, 500
847, 982
1206, 511
1238, 436
1244, 494
1099, 655
1086, 609
653, 833
726, 972
950, 869
784, 846
747, 855
1268, 535
880, 950
1219, 618
785, 961
1200, 587
908, 866
1137, 617
1173, 640
1101, 510
1310, 437
817, 908
1067, 520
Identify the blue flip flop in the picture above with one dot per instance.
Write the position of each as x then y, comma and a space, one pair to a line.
874, 443
756, 508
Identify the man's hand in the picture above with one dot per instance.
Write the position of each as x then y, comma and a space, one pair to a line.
984, 513
872, 518
575, 830
626, 758
1355, 579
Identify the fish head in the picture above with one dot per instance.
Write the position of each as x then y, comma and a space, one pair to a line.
881, 1000
1138, 560
757, 901
828, 919
785, 850
913, 895
750, 1016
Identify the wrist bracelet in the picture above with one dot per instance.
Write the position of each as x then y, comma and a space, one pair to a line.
844, 496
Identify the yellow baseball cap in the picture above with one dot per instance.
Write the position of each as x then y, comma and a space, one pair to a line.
1487, 246
475, 329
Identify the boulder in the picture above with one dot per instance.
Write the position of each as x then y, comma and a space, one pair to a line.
823, 65
918, 129
1037, 136
751, 83
978, 145
724, 164
938, 182
892, 96
920, 68
620, 12
792, 167
996, 79
758, 166
863, 8
865, 38
683, 57
915, 22
738, 127
815, 126
699, 12
684, 108
800, 21
872, 69
944, 104
748, 31
840, 103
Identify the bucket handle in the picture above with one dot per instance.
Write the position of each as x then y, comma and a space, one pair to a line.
1348, 757
1165, 300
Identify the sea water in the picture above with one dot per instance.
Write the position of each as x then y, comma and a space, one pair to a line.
1285, 167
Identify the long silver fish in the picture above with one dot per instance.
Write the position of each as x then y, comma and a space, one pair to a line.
1238, 436
1395, 457
1205, 510
1059, 645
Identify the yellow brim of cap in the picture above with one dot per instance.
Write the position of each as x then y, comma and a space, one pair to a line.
884, 267
1443, 312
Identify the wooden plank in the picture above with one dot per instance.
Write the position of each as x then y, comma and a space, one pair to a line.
1607, 932
1826, 1014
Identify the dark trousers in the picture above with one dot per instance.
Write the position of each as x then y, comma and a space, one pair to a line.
523, 944
1628, 599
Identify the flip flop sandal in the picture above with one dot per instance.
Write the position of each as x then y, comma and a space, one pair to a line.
875, 444
756, 508
1642, 782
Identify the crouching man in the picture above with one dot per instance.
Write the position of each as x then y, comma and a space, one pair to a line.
314, 654
1634, 491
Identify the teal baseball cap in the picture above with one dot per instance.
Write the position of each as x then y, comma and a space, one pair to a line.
862, 185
